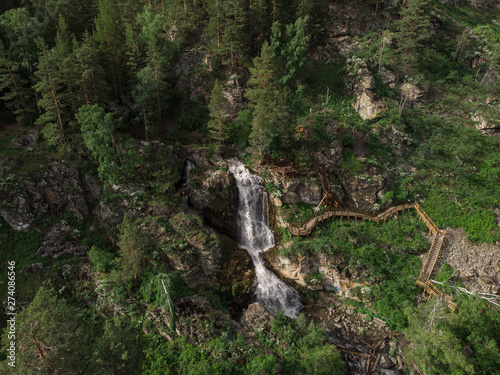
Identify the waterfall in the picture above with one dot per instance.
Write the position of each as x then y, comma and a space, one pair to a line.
255, 236
185, 181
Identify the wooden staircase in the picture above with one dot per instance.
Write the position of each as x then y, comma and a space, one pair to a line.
434, 251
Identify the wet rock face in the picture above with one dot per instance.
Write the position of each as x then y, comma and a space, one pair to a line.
191, 67
56, 190
212, 190
233, 92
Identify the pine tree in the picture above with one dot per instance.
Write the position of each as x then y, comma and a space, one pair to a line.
67, 65
133, 245
52, 97
98, 134
110, 36
263, 94
91, 76
17, 94
258, 22
217, 124
236, 33
413, 28
149, 64
48, 335
291, 48
23, 35
317, 12
215, 27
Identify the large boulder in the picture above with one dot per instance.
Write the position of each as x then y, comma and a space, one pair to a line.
411, 91
368, 105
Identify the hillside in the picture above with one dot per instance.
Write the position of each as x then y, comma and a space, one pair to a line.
250, 187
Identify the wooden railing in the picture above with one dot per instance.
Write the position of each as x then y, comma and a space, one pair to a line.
284, 168
434, 251
329, 197
309, 225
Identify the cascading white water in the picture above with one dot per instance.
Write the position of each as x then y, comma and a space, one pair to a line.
255, 236
189, 166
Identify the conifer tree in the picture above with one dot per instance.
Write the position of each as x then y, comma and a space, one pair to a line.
23, 35
317, 13
215, 26
236, 33
258, 21
217, 124
17, 94
263, 94
47, 337
67, 65
149, 90
413, 28
52, 97
98, 134
93, 88
110, 36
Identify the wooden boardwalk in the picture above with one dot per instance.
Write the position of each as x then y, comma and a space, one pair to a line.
435, 250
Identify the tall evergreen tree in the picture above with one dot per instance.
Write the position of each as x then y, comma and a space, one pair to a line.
413, 28
149, 92
90, 80
48, 336
264, 95
23, 35
217, 124
317, 12
67, 65
215, 27
236, 33
258, 22
52, 98
98, 134
110, 35
16, 93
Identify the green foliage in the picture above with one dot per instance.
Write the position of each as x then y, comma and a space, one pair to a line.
21, 248
242, 128
120, 347
292, 347
134, 244
292, 48
47, 335
383, 254
101, 259
479, 223
413, 27
466, 342
98, 134
217, 125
